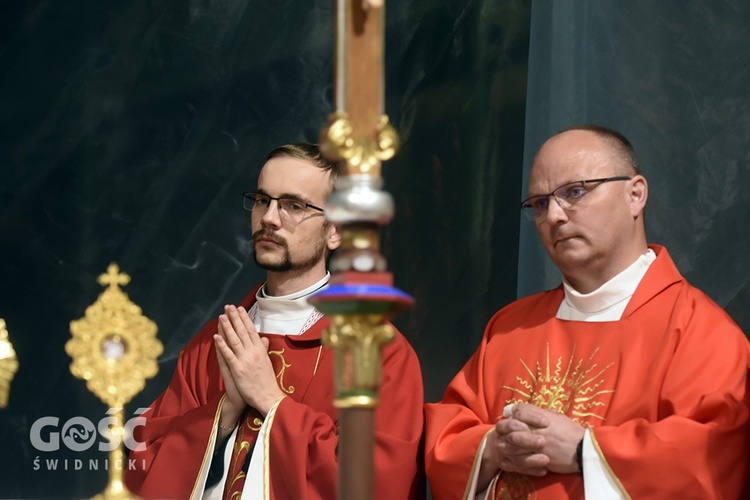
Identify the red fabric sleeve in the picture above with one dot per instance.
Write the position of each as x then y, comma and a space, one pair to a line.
179, 425
701, 431
455, 428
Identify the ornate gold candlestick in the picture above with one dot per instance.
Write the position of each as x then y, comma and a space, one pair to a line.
114, 349
361, 296
8, 364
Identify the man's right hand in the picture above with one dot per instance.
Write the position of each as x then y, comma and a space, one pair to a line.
234, 405
512, 446
246, 355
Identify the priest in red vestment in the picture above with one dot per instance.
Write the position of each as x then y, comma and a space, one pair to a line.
624, 382
249, 411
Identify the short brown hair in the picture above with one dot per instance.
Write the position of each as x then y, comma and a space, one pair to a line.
309, 152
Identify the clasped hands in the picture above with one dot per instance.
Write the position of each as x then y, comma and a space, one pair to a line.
533, 441
244, 365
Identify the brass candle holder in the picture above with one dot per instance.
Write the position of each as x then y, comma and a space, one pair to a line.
8, 364
361, 298
114, 349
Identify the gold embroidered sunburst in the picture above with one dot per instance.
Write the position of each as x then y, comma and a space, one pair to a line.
571, 389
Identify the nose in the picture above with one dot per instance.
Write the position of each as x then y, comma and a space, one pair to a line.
555, 212
272, 215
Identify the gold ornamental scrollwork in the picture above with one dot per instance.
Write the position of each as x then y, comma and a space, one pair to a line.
357, 340
114, 349
8, 364
282, 370
361, 155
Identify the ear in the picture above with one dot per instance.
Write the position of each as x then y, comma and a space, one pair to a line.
638, 195
333, 237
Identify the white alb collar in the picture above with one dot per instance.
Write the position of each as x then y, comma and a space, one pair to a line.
618, 289
286, 314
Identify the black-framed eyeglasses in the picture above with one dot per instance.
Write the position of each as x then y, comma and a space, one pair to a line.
566, 196
291, 209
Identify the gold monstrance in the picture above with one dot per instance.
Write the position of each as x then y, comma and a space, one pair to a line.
114, 349
8, 364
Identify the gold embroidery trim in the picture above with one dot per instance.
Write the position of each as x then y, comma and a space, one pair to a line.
282, 369
492, 492
236, 494
516, 487
476, 464
315, 370
207, 455
256, 425
606, 464
267, 449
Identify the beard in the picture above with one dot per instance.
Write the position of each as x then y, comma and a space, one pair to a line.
286, 263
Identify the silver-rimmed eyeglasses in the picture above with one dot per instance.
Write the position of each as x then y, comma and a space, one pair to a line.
566, 196
291, 209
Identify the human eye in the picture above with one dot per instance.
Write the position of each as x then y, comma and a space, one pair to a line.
539, 204
262, 200
291, 205
573, 193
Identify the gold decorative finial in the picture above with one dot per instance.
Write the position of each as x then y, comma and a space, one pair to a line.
114, 349
8, 364
363, 156
357, 340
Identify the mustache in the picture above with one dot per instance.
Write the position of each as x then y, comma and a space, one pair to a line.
268, 234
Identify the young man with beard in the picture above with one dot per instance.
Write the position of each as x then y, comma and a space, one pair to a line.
249, 411
623, 382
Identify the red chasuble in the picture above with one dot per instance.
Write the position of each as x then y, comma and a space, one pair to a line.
302, 438
664, 391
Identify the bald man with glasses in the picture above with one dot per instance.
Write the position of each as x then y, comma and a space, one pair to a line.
623, 382
250, 412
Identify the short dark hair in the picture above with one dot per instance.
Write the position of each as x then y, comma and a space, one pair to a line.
620, 144
309, 152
